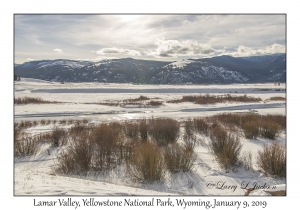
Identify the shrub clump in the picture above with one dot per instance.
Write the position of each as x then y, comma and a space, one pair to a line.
253, 125
247, 161
77, 128
213, 99
190, 141
58, 136
24, 145
225, 146
279, 119
143, 129
131, 129
77, 158
276, 98
155, 103
31, 100
251, 129
269, 130
141, 98
164, 130
147, 164
201, 126
105, 139
25, 124
272, 159
178, 158
93, 149
189, 127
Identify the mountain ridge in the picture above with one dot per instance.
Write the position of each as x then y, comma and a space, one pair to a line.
221, 69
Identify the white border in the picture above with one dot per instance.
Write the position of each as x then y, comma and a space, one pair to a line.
8, 8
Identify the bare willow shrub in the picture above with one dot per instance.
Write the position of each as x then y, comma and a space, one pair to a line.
189, 127
127, 149
178, 158
85, 121
120, 143
147, 164
272, 159
165, 130
247, 161
225, 146
77, 129
66, 164
229, 119
155, 103
29, 100
251, 129
269, 130
59, 136
97, 148
279, 119
22, 124
248, 118
25, 124
117, 127
276, 98
190, 141
131, 129
201, 126
105, 140
16, 131
63, 122
28, 124
143, 129
43, 137
77, 157
25, 145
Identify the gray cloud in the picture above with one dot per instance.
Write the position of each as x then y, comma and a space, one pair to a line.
175, 48
248, 51
164, 37
57, 50
121, 51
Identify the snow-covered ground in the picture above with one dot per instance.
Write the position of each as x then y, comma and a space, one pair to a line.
80, 100
35, 175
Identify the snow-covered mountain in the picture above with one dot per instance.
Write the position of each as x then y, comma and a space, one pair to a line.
221, 69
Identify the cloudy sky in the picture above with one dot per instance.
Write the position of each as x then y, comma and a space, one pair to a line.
151, 37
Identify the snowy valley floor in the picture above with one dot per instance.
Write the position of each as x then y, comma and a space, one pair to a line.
35, 175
